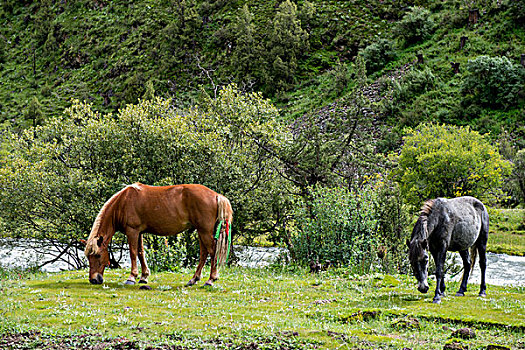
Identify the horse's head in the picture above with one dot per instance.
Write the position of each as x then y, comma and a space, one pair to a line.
418, 257
97, 254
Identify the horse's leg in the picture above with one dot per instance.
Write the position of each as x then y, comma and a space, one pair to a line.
439, 259
142, 258
203, 255
481, 246
133, 241
482, 252
465, 256
209, 243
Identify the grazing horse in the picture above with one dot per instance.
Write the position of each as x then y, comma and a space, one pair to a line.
163, 211
449, 225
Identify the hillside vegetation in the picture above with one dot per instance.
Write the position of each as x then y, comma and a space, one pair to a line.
301, 55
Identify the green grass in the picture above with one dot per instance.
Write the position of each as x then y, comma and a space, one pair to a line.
507, 231
331, 310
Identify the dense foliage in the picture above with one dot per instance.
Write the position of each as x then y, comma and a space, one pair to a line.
415, 26
338, 226
493, 81
378, 54
447, 161
360, 229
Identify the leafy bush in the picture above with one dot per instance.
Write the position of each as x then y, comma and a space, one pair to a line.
336, 225
493, 81
378, 54
415, 26
165, 254
339, 79
413, 83
449, 161
404, 104
393, 222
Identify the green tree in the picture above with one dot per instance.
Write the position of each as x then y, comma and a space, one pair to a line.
333, 147
449, 161
43, 21
179, 38
34, 113
286, 43
493, 81
378, 54
247, 49
415, 26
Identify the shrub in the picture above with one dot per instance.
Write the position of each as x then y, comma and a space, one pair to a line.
404, 104
414, 83
338, 225
165, 254
449, 161
378, 54
339, 78
393, 221
415, 26
493, 81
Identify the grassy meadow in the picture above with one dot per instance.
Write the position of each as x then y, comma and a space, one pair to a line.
507, 231
251, 309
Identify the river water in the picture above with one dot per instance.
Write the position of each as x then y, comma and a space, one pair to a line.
502, 269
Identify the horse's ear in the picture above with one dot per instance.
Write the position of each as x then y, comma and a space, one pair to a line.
100, 240
83, 241
424, 244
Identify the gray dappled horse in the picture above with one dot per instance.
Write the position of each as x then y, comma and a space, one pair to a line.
449, 225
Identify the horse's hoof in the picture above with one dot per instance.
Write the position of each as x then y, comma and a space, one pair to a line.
436, 301
483, 294
460, 294
129, 282
190, 283
208, 284
143, 281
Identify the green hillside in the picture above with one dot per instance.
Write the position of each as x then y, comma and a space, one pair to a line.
301, 55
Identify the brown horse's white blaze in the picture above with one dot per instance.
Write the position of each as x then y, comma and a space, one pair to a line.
164, 211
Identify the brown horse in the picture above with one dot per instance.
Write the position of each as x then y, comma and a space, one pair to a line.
163, 211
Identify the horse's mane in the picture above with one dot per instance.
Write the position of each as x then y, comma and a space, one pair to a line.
420, 229
426, 209
91, 245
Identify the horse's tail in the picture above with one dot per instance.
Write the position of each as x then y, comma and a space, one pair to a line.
483, 233
473, 256
223, 229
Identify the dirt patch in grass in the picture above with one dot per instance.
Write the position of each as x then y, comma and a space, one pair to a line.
38, 340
